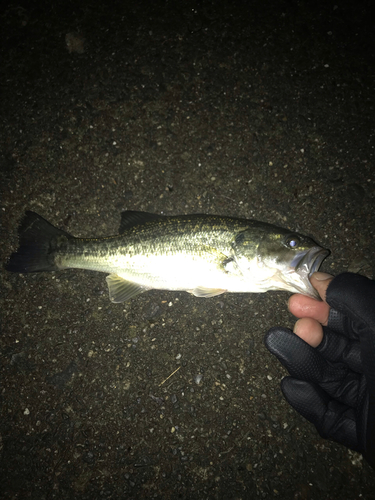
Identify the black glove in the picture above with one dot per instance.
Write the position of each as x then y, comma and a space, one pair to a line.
333, 385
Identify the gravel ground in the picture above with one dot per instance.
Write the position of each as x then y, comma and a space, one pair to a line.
254, 109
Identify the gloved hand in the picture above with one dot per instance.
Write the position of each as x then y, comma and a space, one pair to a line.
333, 385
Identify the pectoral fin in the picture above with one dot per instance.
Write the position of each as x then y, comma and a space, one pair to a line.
202, 291
121, 290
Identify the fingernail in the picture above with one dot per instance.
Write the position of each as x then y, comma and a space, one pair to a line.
295, 326
322, 276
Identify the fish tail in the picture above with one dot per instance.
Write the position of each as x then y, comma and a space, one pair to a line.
38, 240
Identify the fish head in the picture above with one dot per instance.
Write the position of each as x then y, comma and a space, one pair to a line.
280, 259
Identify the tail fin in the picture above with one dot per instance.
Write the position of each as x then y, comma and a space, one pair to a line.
37, 243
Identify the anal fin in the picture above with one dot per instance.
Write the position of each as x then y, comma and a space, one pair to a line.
202, 291
121, 290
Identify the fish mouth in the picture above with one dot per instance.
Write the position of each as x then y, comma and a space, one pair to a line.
313, 259
306, 265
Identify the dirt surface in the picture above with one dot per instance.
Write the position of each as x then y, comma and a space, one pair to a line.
256, 109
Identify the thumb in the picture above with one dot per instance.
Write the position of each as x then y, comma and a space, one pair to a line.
320, 282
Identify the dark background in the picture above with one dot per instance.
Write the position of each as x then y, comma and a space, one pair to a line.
255, 109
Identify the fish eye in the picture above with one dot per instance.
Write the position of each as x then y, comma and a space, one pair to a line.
292, 241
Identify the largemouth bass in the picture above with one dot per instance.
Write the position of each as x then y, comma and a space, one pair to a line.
205, 255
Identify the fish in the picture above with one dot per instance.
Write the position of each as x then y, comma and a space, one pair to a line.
205, 255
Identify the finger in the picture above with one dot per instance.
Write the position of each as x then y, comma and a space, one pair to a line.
306, 363
320, 282
332, 419
309, 330
302, 306
333, 346
300, 359
337, 348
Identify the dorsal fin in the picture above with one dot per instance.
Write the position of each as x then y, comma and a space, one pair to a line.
132, 218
